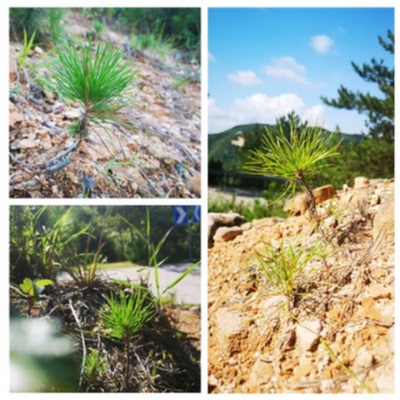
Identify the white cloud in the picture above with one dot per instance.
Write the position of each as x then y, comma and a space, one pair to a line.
245, 78
321, 43
315, 115
256, 108
211, 57
287, 68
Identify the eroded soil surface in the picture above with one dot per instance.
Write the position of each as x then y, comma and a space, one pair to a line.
333, 330
156, 155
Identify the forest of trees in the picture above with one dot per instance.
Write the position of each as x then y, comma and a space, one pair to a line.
43, 238
178, 26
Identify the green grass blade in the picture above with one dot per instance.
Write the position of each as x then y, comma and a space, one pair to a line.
183, 275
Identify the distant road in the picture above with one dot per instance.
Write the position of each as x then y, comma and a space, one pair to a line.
186, 291
242, 195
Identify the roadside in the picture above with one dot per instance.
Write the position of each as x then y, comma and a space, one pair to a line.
187, 291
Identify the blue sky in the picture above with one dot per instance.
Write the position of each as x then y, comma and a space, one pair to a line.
263, 63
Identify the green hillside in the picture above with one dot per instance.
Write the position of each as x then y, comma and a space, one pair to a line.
229, 149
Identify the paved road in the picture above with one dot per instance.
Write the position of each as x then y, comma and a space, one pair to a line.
186, 291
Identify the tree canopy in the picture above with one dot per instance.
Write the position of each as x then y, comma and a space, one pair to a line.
380, 111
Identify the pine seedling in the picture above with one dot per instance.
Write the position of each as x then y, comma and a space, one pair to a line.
98, 80
296, 158
123, 319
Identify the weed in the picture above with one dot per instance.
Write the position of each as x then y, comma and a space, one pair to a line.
344, 367
28, 44
284, 267
154, 41
98, 28
30, 290
55, 16
95, 367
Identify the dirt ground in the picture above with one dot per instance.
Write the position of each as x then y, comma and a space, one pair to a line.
157, 156
165, 355
333, 330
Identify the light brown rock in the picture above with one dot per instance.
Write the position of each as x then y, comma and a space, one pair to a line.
384, 218
216, 220
299, 205
360, 182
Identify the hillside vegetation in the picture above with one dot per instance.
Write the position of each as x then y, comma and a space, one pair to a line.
358, 155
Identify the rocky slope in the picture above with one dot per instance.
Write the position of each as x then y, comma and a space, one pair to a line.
297, 306
157, 153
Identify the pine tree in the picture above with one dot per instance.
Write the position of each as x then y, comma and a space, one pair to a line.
380, 111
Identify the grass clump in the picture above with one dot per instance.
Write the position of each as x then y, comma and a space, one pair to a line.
284, 268
249, 210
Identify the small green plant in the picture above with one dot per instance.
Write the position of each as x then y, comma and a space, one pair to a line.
55, 16
99, 82
296, 158
85, 266
95, 367
39, 248
98, 28
28, 44
30, 290
123, 319
255, 210
154, 40
284, 267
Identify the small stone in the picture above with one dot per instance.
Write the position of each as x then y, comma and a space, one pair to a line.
384, 218
73, 114
308, 333
360, 182
364, 358
212, 381
330, 222
38, 50
378, 291
374, 200
27, 144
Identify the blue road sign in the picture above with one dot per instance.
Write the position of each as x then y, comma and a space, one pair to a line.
196, 213
181, 215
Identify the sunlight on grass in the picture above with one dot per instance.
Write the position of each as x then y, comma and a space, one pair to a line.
120, 264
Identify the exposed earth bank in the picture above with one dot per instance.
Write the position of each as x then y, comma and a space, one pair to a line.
327, 324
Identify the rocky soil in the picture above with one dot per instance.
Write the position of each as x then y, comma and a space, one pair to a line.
327, 326
158, 156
